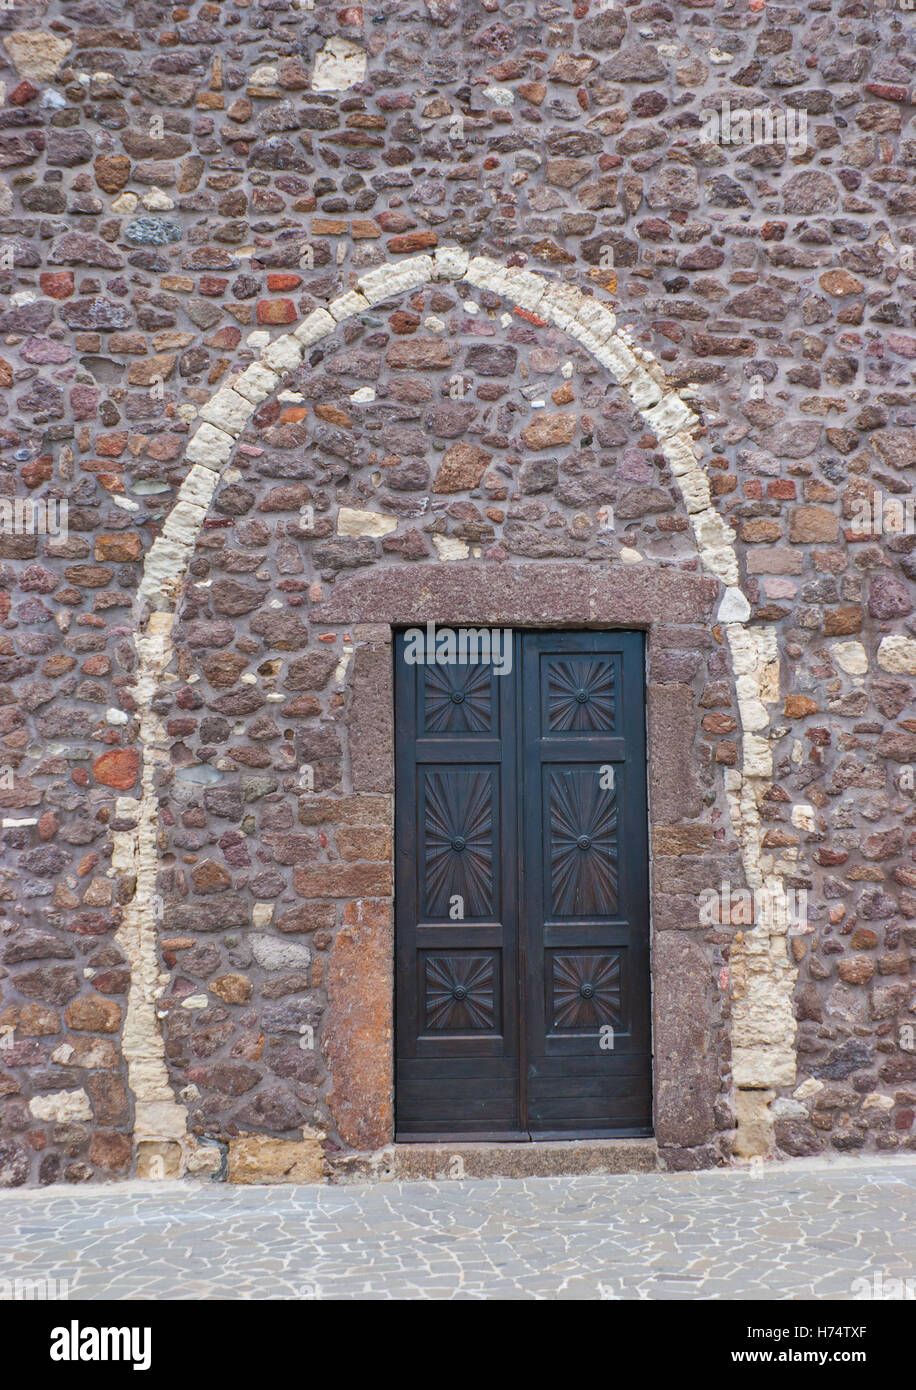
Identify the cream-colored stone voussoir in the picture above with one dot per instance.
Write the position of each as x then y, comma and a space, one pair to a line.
761, 966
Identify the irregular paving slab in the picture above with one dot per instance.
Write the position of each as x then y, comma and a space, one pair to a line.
804, 1231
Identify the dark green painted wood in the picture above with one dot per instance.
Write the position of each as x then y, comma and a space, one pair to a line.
585, 907
457, 1067
499, 799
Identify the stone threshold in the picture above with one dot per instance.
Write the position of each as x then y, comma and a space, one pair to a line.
540, 1159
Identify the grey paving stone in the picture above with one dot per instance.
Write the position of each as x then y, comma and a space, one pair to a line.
801, 1232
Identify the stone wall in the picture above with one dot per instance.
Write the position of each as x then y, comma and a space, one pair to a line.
307, 310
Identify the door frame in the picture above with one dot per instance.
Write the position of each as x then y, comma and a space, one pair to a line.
674, 608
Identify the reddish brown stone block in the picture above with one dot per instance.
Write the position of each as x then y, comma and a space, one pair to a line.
122, 548
840, 622
412, 241
812, 523
23, 93
344, 881
371, 842
799, 706
357, 1037
119, 768
111, 1150
56, 284
549, 430
462, 467
93, 1014
276, 311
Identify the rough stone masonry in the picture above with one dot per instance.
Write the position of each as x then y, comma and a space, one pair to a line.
309, 313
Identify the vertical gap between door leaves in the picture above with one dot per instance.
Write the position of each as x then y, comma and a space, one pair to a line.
521, 943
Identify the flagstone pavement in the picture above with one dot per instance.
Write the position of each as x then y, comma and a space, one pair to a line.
800, 1231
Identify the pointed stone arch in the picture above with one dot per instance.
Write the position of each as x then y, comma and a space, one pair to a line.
762, 974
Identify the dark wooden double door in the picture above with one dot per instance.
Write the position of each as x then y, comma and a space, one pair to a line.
522, 1005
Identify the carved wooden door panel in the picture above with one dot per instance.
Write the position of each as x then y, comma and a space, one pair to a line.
521, 905
585, 901
456, 898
